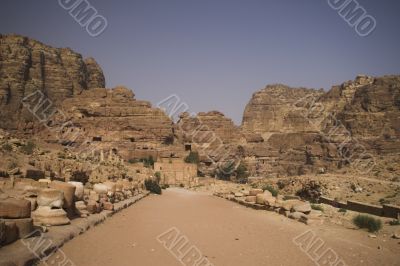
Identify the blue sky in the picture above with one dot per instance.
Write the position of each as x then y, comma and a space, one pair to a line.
214, 54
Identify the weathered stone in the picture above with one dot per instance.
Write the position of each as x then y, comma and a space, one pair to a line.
297, 215
111, 186
108, 206
69, 195
44, 215
78, 190
15, 208
50, 197
24, 226
304, 207
251, 199
255, 191
2, 232
238, 194
11, 232
100, 188
27, 66
94, 196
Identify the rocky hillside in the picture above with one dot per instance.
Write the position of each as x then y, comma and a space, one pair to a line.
27, 65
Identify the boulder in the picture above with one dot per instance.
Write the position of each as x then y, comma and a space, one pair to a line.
81, 209
15, 208
288, 204
93, 196
93, 207
78, 189
44, 215
108, 206
111, 186
297, 216
270, 201
304, 207
100, 188
251, 199
255, 191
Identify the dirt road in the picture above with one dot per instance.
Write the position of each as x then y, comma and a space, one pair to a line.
223, 233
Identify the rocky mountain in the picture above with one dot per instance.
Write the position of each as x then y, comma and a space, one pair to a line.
27, 65
285, 131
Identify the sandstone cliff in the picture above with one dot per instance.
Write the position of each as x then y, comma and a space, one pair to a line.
27, 65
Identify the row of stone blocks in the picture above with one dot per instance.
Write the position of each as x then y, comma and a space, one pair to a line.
292, 208
386, 210
38, 245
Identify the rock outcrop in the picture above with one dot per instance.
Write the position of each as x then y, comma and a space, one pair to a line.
27, 65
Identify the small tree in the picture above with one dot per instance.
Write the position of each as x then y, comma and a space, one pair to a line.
193, 157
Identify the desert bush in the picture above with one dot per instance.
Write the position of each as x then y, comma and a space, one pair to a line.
7, 147
317, 207
158, 176
80, 176
242, 174
342, 210
181, 185
152, 186
28, 148
148, 162
394, 222
368, 222
310, 191
193, 157
273, 191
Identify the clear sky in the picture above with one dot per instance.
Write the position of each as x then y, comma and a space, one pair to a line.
215, 53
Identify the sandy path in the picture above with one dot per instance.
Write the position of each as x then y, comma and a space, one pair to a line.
224, 232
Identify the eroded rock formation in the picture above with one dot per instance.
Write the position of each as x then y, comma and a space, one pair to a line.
27, 65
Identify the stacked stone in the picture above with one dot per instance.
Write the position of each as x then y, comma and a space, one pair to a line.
15, 220
49, 212
293, 208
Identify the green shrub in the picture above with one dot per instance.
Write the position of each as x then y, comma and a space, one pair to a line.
394, 222
368, 222
273, 191
242, 174
193, 157
317, 207
158, 176
28, 148
148, 162
225, 171
7, 147
342, 210
152, 186
132, 161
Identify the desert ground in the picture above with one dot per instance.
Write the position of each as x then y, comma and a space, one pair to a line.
225, 233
